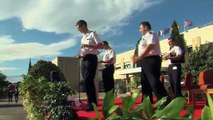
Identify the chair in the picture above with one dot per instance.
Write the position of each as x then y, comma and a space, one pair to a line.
205, 85
187, 86
206, 81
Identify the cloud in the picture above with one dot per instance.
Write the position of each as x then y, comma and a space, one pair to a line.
9, 50
60, 16
123, 45
14, 79
7, 68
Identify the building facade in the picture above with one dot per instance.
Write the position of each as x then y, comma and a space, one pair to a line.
70, 67
193, 37
124, 67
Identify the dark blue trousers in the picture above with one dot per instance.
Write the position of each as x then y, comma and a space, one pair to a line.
150, 75
174, 73
108, 79
88, 69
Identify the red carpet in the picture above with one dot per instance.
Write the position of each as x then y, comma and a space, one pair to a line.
83, 115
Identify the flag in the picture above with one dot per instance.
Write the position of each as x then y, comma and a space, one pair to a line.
158, 33
187, 23
164, 31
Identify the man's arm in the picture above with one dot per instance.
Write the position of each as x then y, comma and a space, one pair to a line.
178, 57
146, 51
166, 56
97, 46
107, 61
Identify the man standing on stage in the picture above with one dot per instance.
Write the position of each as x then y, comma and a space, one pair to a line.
90, 42
175, 57
108, 70
149, 56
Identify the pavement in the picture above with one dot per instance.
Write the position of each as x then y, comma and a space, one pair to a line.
15, 111
12, 110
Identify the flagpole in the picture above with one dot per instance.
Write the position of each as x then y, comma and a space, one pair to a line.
184, 26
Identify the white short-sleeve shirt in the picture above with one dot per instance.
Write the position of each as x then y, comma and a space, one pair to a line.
91, 38
175, 50
109, 53
147, 39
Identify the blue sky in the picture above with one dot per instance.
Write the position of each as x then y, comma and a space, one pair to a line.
45, 29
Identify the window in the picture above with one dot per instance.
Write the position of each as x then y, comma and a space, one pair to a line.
127, 65
189, 49
135, 65
117, 67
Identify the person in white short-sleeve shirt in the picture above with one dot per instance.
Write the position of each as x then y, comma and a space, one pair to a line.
90, 43
149, 57
175, 57
108, 70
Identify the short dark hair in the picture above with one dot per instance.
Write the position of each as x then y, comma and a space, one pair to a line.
147, 24
105, 43
81, 22
171, 38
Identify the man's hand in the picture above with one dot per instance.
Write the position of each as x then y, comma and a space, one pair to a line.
136, 59
166, 56
90, 46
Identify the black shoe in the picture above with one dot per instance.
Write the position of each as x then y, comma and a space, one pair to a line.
89, 108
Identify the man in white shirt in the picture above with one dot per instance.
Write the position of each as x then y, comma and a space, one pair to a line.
175, 57
149, 56
108, 71
90, 42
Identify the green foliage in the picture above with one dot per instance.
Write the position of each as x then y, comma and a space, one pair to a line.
136, 48
2, 77
207, 112
41, 97
189, 112
108, 103
114, 112
32, 91
136, 52
3, 82
145, 110
199, 60
43, 69
172, 110
135, 81
121, 86
179, 38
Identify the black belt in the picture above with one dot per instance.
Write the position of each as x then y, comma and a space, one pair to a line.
107, 65
90, 55
174, 64
152, 56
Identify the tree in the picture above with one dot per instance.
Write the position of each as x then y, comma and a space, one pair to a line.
30, 65
179, 38
43, 69
2, 76
3, 81
199, 60
136, 52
